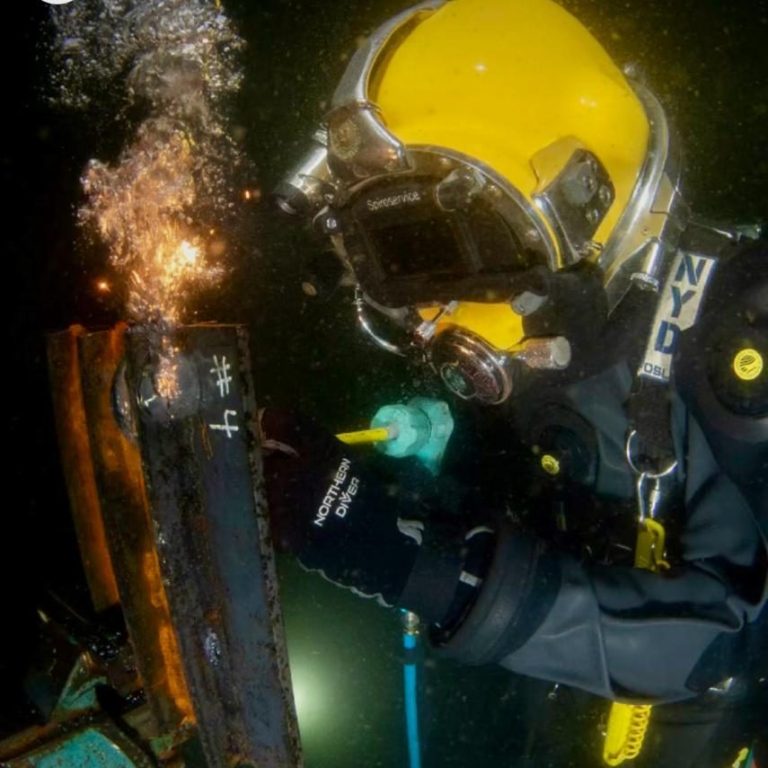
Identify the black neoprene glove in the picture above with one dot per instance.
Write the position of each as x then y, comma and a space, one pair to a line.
338, 518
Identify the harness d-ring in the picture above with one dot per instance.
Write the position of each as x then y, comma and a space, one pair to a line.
668, 470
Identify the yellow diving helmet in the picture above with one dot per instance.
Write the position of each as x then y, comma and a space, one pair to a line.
478, 154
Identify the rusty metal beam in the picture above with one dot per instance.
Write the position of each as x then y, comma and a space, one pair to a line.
168, 504
75, 454
202, 469
116, 466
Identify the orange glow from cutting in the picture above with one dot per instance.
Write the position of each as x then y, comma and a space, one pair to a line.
167, 373
141, 208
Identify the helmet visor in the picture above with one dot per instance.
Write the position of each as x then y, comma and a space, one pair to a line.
421, 238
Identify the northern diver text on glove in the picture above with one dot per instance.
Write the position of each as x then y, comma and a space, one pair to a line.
337, 498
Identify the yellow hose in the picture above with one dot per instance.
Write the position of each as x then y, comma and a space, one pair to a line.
627, 726
628, 723
378, 435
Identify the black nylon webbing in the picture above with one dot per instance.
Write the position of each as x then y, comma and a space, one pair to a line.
650, 417
648, 409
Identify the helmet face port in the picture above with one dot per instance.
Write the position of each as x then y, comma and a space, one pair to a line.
445, 230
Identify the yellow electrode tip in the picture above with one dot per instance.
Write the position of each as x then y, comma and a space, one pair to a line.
378, 435
748, 364
740, 758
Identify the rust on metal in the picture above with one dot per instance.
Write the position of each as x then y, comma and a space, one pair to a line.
175, 512
75, 450
266, 550
120, 483
202, 471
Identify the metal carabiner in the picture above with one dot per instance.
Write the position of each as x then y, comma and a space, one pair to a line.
647, 506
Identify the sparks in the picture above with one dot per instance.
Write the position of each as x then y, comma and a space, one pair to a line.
171, 189
167, 373
140, 209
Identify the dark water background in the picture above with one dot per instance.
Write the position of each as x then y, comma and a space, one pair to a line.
706, 60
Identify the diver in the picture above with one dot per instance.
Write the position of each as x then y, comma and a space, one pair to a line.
514, 222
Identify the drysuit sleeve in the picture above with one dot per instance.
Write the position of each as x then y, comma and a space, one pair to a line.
625, 632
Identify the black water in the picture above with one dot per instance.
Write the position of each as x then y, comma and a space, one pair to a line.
708, 63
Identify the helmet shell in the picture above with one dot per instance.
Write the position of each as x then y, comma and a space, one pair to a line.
504, 80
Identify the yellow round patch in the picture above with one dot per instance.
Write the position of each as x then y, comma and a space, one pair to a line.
550, 464
748, 364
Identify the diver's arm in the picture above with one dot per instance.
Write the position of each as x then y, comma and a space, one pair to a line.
378, 539
619, 632
625, 632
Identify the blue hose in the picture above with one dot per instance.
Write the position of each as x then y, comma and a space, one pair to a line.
410, 642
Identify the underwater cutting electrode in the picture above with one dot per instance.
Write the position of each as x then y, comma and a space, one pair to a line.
421, 428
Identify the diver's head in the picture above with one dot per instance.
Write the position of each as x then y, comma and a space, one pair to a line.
482, 161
